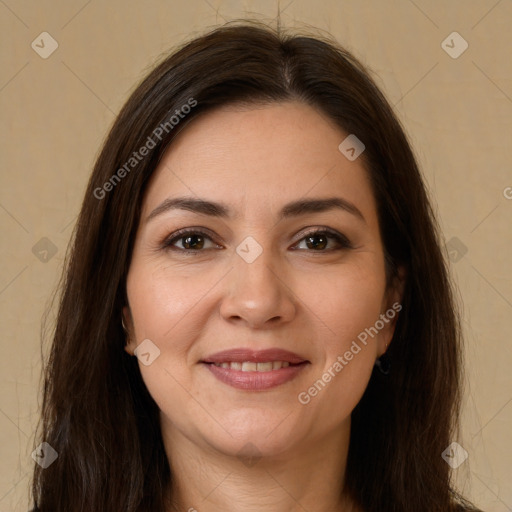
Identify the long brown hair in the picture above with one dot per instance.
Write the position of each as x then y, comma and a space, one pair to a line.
97, 413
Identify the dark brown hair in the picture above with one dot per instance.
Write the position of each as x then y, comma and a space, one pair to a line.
97, 413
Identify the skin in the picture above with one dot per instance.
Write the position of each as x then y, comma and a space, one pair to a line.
313, 302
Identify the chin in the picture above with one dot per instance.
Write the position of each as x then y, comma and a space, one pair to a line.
250, 449
256, 438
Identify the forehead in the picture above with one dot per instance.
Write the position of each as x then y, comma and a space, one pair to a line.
259, 157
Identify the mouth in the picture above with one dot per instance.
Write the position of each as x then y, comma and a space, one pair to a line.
255, 370
250, 366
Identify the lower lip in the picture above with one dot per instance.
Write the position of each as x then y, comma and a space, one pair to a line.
255, 381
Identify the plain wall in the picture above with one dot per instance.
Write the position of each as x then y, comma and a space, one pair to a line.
456, 111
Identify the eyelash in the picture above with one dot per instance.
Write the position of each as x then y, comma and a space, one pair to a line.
342, 240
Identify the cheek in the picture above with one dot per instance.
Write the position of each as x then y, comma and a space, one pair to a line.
347, 307
346, 303
163, 303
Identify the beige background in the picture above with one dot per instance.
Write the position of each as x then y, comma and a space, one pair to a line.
457, 112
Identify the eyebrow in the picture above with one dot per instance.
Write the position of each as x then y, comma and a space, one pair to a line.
293, 209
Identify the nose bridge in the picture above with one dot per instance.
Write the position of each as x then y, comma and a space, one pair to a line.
257, 292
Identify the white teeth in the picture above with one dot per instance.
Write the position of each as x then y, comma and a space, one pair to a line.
264, 367
249, 366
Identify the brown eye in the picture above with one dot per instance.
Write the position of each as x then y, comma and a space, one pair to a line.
193, 241
318, 240
190, 240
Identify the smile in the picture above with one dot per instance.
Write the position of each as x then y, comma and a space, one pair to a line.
249, 366
255, 370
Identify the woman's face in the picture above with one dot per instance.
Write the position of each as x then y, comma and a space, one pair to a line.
255, 279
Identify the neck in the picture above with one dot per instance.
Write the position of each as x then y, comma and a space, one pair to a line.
311, 477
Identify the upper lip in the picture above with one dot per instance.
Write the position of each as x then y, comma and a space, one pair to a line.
240, 355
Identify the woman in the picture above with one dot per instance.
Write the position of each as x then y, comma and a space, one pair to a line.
256, 312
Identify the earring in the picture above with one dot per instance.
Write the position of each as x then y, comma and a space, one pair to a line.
383, 363
124, 326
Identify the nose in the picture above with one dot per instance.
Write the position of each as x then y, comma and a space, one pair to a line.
257, 294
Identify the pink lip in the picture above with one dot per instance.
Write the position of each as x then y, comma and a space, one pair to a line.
239, 355
255, 381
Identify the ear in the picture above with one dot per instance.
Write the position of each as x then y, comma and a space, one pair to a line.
130, 344
392, 305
